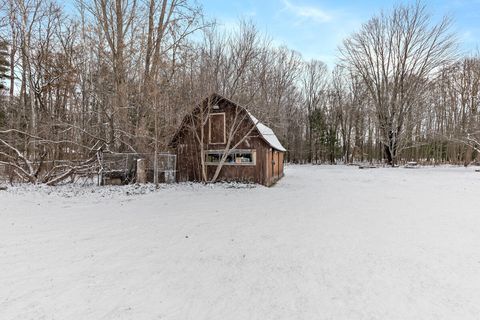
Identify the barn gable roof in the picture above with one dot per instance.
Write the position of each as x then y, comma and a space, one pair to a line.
265, 132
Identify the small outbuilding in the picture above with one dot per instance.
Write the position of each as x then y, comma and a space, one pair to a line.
221, 140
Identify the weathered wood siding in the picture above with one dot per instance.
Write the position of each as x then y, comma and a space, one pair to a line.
188, 159
274, 161
281, 159
189, 152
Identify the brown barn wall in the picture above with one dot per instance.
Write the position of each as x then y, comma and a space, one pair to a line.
269, 171
247, 173
276, 166
274, 170
189, 159
281, 159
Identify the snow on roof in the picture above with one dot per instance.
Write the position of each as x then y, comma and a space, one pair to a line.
267, 134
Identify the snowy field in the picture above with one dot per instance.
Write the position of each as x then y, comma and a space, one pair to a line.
327, 242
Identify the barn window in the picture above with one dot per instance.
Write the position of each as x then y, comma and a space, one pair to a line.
244, 157
216, 128
234, 157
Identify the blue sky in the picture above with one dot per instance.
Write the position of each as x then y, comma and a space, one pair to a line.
315, 28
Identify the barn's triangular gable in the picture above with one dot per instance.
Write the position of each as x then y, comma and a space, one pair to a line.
264, 131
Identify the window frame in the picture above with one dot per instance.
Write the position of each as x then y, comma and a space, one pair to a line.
253, 152
216, 114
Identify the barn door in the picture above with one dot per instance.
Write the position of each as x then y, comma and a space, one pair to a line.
275, 162
273, 165
269, 166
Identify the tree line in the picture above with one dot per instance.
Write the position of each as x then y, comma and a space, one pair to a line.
120, 75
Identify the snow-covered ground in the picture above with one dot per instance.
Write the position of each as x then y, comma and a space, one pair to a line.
327, 242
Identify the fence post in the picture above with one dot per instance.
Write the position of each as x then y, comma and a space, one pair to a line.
141, 171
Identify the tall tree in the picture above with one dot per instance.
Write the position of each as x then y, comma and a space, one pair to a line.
314, 82
395, 54
4, 64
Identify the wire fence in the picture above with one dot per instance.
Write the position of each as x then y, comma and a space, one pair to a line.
111, 168
121, 168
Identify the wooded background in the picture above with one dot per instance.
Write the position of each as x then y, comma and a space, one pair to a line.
120, 75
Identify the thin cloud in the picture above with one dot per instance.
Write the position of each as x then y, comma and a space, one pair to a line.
308, 12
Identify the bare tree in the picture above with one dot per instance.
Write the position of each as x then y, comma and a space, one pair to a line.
3, 62
395, 54
123, 74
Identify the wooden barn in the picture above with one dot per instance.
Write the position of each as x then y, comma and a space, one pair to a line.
221, 140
